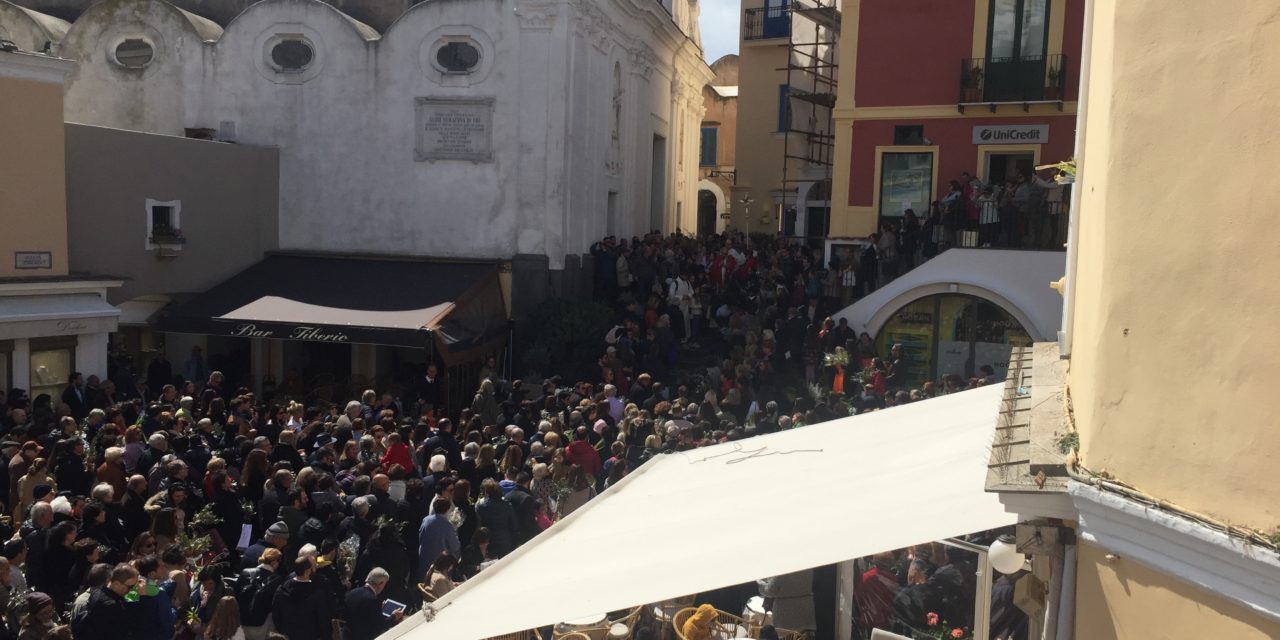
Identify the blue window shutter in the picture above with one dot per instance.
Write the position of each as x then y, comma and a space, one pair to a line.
708, 154
783, 92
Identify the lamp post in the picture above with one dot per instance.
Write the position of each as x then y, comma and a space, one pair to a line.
747, 201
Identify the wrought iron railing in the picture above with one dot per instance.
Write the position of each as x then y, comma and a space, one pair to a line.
762, 23
1015, 79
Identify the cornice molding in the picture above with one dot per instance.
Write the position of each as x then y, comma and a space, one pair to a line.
34, 66
1187, 550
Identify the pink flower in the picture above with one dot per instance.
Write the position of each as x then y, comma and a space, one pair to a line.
957, 633
932, 619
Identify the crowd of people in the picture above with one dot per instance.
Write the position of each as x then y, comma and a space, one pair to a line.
186, 508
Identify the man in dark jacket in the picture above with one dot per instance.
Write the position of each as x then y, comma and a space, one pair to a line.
104, 617
299, 609
275, 496
522, 502
364, 609
442, 440
277, 537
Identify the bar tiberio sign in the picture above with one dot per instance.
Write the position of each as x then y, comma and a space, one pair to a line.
1011, 134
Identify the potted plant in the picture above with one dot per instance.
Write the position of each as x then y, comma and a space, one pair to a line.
164, 234
973, 84
1054, 89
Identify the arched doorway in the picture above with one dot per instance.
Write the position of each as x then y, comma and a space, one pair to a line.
707, 212
952, 334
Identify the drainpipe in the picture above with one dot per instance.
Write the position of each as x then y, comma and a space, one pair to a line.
1067, 603
1073, 226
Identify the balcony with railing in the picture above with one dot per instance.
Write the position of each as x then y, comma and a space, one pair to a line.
1023, 80
766, 23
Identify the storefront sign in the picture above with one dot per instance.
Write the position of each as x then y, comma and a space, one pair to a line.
71, 326
1011, 134
32, 260
300, 332
455, 129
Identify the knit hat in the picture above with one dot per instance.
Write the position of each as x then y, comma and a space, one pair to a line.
599, 426
41, 491
279, 529
37, 601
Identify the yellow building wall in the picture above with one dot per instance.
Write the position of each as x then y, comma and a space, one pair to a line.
1123, 600
33, 192
758, 156
1177, 289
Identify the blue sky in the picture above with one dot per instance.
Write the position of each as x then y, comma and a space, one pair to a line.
719, 20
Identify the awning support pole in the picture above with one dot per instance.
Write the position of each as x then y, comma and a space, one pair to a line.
845, 573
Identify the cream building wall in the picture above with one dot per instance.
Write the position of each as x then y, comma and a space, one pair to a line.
1175, 295
33, 192
1119, 599
759, 143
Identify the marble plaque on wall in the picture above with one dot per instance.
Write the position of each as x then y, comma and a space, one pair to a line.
454, 129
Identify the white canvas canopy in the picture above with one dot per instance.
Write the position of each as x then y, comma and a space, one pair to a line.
699, 520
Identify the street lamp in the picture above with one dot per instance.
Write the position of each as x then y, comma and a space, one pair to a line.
1005, 556
746, 202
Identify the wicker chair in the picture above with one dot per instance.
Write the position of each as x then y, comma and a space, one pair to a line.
528, 634
631, 620
724, 624
575, 636
663, 624
727, 624
427, 594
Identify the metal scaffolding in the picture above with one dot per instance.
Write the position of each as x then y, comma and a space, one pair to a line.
809, 135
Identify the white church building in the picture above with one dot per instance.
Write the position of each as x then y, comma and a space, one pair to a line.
448, 128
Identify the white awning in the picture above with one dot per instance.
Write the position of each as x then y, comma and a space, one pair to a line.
139, 311
695, 521
278, 309
32, 316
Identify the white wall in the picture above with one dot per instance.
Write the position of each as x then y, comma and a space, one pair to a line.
1017, 281
346, 126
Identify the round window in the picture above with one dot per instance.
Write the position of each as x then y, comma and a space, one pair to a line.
292, 55
458, 57
134, 53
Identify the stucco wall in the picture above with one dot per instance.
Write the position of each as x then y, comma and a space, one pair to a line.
228, 194
346, 126
32, 187
1176, 296
956, 153
759, 143
1120, 599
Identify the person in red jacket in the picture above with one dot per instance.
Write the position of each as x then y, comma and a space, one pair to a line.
581, 453
397, 453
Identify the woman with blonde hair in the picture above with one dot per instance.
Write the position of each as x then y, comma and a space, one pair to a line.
112, 472
225, 623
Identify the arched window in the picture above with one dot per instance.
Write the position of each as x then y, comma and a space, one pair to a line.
292, 55
134, 53
952, 334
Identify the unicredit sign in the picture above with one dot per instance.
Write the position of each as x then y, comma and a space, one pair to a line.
1011, 134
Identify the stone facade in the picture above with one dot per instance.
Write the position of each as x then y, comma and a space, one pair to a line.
576, 98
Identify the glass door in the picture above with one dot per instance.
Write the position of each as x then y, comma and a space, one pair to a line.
1017, 41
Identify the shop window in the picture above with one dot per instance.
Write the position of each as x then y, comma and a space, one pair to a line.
906, 182
134, 53
952, 334
292, 54
51, 366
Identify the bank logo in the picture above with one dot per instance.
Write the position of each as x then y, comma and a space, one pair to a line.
1011, 134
